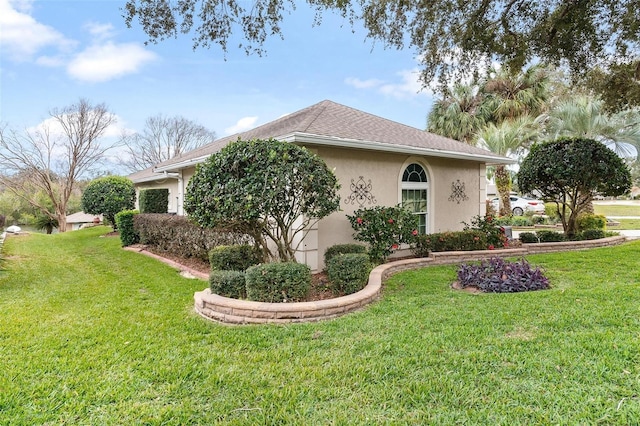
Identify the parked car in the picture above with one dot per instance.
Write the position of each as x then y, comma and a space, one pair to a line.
519, 205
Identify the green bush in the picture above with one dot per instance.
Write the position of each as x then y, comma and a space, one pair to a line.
125, 224
154, 200
546, 236
233, 258
486, 224
450, 241
591, 234
528, 237
513, 221
348, 273
339, 249
278, 282
108, 196
228, 284
591, 221
551, 210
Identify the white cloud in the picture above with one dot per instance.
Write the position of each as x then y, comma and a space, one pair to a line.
99, 31
243, 124
408, 87
363, 84
22, 36
103, 62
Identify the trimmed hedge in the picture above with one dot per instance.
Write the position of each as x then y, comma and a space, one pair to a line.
450, 241
348, 273
125, 224
591, 234
528, 237
228, 284
591, 221
546, 236
177, 235
154, 200
278, 282
340, 249
233, 258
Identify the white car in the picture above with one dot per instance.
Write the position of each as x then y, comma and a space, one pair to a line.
519, 205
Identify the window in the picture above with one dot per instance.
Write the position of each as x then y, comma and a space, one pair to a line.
415, 188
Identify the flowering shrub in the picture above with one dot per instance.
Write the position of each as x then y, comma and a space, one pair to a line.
493, 231
384, 229
500, 276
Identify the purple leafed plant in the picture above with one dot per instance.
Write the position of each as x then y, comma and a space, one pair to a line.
500, 276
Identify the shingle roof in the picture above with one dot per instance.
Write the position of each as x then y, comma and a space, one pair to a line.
334, 122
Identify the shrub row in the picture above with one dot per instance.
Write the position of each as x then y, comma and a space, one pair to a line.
450, 241
546, 236
179, 236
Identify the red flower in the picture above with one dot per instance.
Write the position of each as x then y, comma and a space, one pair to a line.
489, 218
390, 220
491, 247
359, 220
394, 247
415, 232
476, 238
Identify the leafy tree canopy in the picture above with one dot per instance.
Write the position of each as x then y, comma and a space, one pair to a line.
108, 196
451, 37
267, 189
569, 171
618, 86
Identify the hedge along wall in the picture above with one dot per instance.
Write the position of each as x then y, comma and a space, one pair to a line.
154, 200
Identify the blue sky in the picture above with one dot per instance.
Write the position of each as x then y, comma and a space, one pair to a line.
56, 52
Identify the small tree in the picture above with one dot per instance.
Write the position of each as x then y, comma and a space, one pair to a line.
568, 171
267, 189
108, 196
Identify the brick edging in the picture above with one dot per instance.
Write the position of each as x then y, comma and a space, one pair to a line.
234, 311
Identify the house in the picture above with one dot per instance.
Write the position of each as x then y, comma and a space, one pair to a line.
378, 162
79, 220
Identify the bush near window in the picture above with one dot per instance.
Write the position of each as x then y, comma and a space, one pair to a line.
591, 221
233, 258
493, 231
384, 229
501, 276
278, 282
177, 235
228, 284
450, 241
124, 222
339, 249
348, 273
154, 200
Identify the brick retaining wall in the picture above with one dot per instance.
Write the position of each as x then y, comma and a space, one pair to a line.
234, 311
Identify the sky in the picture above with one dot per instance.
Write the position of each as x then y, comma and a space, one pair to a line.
54, 52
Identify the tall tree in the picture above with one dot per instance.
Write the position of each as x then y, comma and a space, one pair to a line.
618, 85
585, 117
55, 156
162, 139
450, 36
460, 114
510, 138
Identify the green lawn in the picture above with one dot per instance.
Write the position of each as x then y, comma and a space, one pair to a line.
94, 335
617, 210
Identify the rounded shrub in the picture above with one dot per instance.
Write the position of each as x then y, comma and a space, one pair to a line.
278, 282
591, 221
528, 237
125, 224
591, 234
339, 249
546, 236
348, 273
233, 257
228, 284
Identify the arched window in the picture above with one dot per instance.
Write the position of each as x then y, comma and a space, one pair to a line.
415, 188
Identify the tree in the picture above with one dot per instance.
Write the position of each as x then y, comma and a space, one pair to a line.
108, 196
162, 139
459, 37
568, 172
511, 137
53, 158
267, 189
585, 117
618, 85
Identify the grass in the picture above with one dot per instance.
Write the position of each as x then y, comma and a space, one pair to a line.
91, 334
625, 224
617, 210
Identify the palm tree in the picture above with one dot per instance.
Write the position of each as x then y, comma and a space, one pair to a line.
510, 138
584, 116
460, 114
